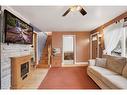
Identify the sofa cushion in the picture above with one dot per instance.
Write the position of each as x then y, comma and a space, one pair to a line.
115, 81
105, 56
101, 62
124, 73
99, 71
91, 62
93, 70
116, 64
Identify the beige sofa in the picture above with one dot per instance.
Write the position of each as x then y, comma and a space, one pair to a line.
109, 72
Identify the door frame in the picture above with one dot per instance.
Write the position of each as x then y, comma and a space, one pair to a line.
74, 47
35, 47
97, 33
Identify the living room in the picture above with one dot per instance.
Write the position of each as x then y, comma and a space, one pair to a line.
68, 47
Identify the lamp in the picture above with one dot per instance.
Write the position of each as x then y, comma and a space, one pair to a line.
99, 35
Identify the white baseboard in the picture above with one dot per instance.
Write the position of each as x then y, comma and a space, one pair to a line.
76, 64
81, 63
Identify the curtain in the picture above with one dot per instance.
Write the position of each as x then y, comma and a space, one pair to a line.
112, 36
125, 28
126, 41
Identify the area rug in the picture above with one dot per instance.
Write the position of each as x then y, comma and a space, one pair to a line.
68, 78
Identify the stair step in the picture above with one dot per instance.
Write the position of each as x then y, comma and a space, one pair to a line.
44, 62
45, 51
44, 57
43, 66
45, 54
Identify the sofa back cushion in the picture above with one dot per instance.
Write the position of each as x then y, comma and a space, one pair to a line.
124, 73
116, 64
105, 56
101, 62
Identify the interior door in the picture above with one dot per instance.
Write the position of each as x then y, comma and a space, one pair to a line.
68, 49
95, 46
94, 49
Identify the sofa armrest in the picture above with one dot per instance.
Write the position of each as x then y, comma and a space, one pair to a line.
91, 62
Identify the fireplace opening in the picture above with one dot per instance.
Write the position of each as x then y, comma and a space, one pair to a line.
24, 69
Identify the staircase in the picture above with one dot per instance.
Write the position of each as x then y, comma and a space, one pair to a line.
46, 53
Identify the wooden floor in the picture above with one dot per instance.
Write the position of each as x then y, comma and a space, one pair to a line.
68, 78
37, 75
35, 79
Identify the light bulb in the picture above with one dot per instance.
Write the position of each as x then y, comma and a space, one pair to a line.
78, 8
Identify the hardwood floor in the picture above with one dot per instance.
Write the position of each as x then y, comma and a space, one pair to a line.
35, 78
68, 78
37, 75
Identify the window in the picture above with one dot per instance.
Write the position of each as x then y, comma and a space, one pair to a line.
125, 35
118, 50
121, 48
115, 38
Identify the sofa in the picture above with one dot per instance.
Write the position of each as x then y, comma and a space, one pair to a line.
108, 72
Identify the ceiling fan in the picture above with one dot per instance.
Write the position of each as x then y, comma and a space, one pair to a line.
75, 8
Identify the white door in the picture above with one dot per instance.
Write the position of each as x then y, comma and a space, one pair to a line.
68, 49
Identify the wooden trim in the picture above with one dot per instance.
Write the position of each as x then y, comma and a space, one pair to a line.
74, 47
35, 46
100, 29
118, 18
91, 51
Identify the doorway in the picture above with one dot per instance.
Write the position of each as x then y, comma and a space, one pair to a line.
69, 49
95, 47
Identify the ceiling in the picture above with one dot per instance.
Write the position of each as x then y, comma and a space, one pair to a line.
49, 18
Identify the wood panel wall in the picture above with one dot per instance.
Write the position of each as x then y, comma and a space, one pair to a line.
82, 46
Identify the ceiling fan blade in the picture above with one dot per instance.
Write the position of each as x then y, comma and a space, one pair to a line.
66, 12
83, 12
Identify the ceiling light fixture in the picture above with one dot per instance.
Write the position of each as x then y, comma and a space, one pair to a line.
76, 8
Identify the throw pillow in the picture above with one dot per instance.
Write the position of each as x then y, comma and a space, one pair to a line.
124, 73
101, 62
116, 64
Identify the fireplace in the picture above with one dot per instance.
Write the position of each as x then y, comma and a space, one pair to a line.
24, 69
20, 70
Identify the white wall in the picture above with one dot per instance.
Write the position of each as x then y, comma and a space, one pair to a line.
11, 50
